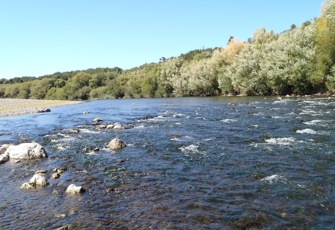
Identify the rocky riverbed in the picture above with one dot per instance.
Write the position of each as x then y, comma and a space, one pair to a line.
14, 107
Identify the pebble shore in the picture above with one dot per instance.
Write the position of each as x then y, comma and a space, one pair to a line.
15, 107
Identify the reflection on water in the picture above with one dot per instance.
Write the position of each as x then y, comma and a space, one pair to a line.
190, 163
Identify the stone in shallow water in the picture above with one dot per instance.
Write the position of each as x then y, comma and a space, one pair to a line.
60, 170
27, 186
74, 131
55, 175
41, 171
38, 180
116, 144
97, 120
73, 189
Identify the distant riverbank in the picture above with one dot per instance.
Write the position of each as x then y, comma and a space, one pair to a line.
14, 107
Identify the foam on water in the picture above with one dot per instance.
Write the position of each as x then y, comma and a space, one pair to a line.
273, 179
313, 122
229, 120
281, 141
190, 149
89, 131
306, 131
282, 101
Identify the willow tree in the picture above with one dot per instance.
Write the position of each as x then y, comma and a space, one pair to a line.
198, 79
289, 61
170, 81
245, 72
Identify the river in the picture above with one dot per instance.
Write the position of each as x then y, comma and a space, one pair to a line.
189, 163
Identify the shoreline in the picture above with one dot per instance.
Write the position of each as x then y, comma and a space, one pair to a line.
16, 107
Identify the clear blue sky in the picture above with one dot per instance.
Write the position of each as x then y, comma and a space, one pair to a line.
41, 37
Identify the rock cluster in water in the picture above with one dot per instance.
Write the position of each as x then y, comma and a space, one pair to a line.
39, 180
30, 151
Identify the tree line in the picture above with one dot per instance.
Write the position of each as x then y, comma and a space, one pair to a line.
300, 60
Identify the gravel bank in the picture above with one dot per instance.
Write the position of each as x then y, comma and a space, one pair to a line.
14, 107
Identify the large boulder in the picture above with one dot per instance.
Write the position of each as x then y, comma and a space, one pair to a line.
26, 151
116, 144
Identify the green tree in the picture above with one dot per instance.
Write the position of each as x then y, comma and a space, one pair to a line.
325, 41
39, 88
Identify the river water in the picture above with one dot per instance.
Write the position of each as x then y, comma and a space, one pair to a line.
190, 163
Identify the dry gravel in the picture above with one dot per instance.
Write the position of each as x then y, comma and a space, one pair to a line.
14, 107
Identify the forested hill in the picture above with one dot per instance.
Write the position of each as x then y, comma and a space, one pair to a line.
300, 60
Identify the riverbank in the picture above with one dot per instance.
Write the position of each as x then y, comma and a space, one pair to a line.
15, 107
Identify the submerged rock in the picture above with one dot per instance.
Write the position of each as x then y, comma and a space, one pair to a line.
60, 170
41, 171
74, 131
97, 120
116, 144
91, 149
116, 126
55, 175
66, 227
27, 186
57, 172
26, 151
73, 189
101, 126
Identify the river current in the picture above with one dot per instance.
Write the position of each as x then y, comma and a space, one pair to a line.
189, 163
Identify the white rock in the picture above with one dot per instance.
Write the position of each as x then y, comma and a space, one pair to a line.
118, 126
109, 126
97, 120
38, 180
73, 189
116, 144
26, 151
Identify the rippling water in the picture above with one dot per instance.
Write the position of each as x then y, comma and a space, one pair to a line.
190, 163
